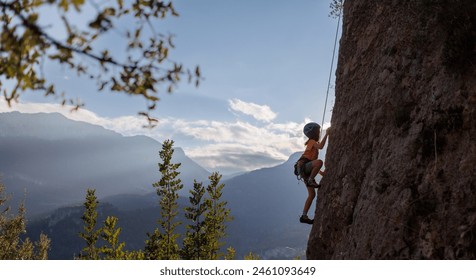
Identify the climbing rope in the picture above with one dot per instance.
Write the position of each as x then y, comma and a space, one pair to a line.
330, 72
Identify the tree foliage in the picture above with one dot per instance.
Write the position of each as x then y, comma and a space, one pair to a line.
216, 217
167, 189
336, 7
194, 243
90, 233
230, 253
112, 249
252, 256
139, 64
207, 214
12, 227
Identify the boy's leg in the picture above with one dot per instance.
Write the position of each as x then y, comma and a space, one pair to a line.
316, 166
311, 194
312, 169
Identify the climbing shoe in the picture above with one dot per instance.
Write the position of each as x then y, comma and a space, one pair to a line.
305, 220
311, 182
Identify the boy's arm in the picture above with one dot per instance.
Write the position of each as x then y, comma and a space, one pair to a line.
322, 143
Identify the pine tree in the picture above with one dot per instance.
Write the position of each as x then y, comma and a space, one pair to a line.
230, 253
252, 256
153, 246
194, 247
216, 217
163, 245
113, 250
41, 247
12, 226
90, 234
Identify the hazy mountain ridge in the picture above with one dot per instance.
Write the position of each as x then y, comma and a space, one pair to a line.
48, 126
55, 164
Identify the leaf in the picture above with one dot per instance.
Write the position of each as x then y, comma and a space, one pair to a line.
153, 98
64, 5
120, 3
103, 84
137, 33
109, 11
77, 4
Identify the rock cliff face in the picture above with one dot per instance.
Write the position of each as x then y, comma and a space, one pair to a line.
401, 158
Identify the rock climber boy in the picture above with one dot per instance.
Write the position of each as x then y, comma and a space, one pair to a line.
309, 165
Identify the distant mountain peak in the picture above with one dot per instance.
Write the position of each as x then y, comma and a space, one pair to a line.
294, 157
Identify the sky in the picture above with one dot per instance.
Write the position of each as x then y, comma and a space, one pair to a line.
265, 64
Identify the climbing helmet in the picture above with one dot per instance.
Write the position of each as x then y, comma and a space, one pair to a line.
311, 128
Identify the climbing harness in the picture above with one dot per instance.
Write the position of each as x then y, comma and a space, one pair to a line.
298, 169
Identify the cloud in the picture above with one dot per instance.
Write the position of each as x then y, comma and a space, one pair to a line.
240, 146
232, 157
259, 112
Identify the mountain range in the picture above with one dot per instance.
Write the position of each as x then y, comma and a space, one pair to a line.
49, 161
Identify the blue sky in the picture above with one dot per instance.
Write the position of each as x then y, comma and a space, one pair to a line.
266, 64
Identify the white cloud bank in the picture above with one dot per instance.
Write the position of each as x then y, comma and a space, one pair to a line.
259, 112
225, 146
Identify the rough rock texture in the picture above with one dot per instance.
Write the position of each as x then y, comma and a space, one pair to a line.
401, 159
